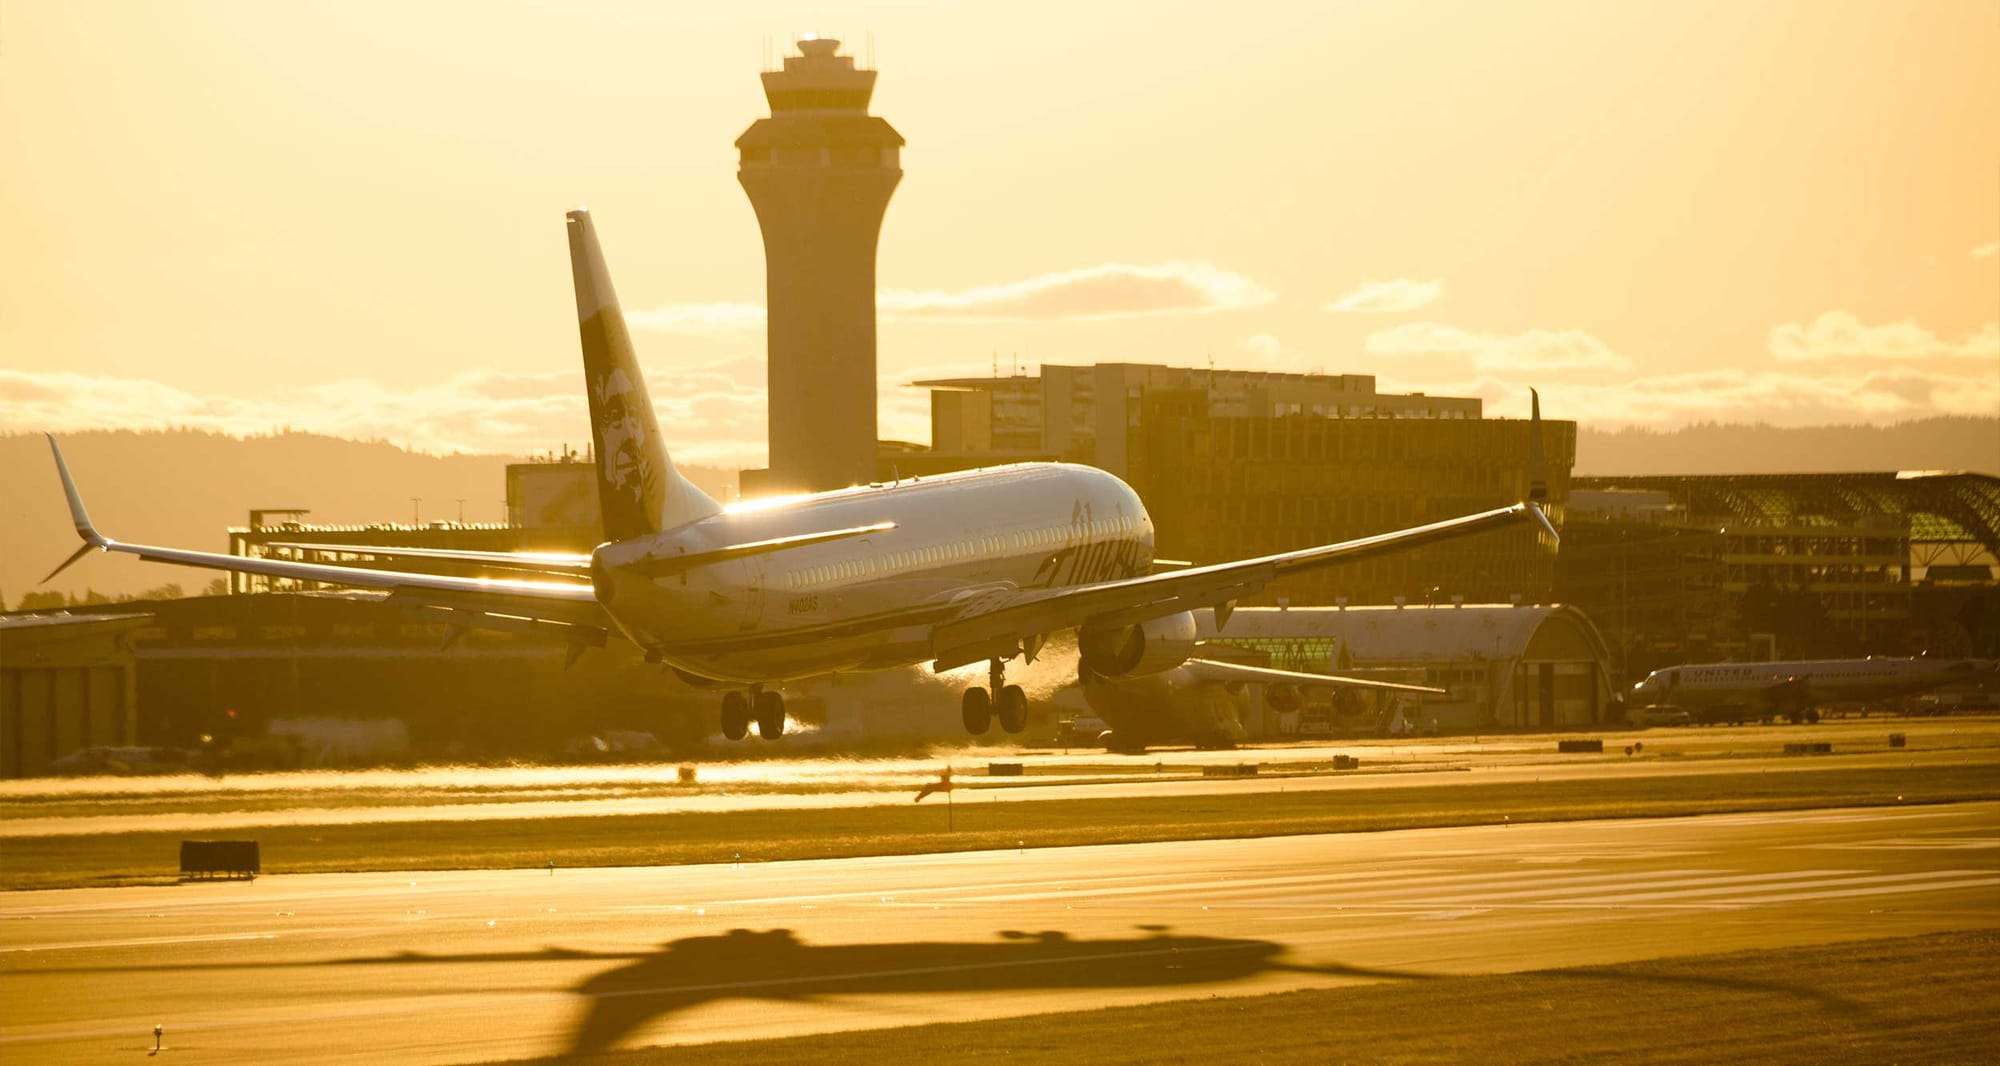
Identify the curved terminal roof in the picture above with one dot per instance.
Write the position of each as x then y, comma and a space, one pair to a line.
1429, 634
1939, 506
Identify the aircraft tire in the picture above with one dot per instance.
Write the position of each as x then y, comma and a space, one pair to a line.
735, 715
1012, 709
976, 709
770, 715
1811, 715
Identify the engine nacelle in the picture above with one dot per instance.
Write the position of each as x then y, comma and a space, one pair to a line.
1283, 697
1137, 650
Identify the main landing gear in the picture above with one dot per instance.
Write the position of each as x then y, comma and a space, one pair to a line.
765, 706
1007, 702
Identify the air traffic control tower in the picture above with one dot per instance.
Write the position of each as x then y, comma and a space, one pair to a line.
819, 172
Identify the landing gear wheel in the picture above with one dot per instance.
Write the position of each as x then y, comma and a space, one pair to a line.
1811, 715
1012, 709
770, 715
735, 715
976, 708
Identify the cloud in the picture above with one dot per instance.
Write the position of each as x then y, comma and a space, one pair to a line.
1113, 290
1536, 349
1840, 335
1387, 297
711, 414
700, 319
1777, 397
1987, 250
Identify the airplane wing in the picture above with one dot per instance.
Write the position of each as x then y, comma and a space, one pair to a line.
569, 608
561, 564
548, 564
1235, 673
1004, 616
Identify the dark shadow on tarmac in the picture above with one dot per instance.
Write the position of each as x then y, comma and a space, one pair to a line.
776, 965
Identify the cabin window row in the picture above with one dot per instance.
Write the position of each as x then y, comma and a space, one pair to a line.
978, 547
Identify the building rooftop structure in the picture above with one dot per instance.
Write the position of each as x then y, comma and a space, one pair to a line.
1759, 566
1057, 411
1951, 519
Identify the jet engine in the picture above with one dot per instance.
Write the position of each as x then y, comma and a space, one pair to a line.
1283, 697
1137, 650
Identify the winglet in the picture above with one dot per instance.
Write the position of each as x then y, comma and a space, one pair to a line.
1535, 512
91, 537
1538, 475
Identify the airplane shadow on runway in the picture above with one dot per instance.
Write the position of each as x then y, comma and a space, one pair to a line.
777, 965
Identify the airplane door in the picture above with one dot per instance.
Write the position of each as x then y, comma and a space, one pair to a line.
753, 592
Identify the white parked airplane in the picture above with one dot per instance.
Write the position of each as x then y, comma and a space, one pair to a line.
1795, 690
1197, 701
956, 569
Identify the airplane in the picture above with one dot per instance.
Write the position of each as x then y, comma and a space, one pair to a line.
1197, 701
1734, 692
955, 569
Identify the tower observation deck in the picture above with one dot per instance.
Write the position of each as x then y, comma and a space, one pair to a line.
819, 173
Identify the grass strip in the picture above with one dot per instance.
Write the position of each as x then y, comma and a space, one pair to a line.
1913, 999
901, 829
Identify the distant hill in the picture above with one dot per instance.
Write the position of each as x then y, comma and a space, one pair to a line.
184, 487
1969, 444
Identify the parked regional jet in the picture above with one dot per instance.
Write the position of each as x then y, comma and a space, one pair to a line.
1723, 692
956, 569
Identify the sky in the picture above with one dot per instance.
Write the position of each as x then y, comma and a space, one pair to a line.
347, 218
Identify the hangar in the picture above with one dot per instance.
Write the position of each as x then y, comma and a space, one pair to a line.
1504, 665
67, 682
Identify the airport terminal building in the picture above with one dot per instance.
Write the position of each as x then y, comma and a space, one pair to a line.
1785, 566
1234, 463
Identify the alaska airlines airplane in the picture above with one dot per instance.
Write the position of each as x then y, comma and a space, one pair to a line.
1722, 692
955, 569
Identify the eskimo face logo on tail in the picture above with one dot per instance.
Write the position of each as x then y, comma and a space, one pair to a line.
630, 485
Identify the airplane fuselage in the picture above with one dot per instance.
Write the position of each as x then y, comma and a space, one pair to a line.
1767, 688
868, 602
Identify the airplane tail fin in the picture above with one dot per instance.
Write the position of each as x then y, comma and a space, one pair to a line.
639, 489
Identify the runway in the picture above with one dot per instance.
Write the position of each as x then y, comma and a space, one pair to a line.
240, 803
482, 966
